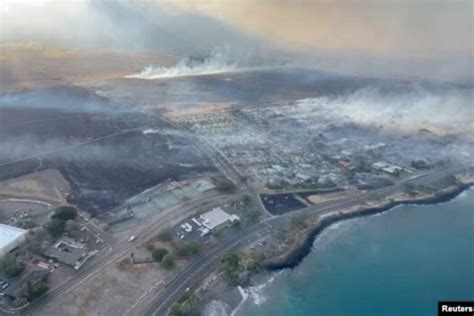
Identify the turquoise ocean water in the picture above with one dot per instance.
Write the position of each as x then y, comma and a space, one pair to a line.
397, 263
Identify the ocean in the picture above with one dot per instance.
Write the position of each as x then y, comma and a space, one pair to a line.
401, 262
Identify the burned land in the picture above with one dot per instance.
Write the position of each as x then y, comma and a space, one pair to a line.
107, 151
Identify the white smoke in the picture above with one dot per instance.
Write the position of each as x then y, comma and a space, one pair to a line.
217, 62
444, 111
222, 60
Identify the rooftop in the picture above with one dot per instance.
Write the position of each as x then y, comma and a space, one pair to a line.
66, 251
9, 234
216, 217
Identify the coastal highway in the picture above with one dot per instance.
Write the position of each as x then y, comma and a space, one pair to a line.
209, 262
123, 247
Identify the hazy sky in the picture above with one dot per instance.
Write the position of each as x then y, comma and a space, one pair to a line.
432, 35
415, 28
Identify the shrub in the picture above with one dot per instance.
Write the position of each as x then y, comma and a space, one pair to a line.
65, 213
188, 305
34, 291
168, 262
10, 267
159, 254
231, 267
56, 227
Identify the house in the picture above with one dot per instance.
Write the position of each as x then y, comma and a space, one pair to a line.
69, 252
19, 288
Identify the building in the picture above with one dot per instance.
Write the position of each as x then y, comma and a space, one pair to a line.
10, 238
69, 252
217, 218
387, 168
19, 288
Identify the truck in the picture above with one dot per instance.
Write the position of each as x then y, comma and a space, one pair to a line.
132, 238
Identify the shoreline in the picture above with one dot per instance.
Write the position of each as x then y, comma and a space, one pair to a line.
295, 257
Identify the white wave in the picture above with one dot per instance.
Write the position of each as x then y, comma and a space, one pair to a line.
217, 62
245, 296
255, 293
466, 193
216, 308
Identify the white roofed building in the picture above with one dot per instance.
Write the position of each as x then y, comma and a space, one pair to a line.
10, 238
217, 218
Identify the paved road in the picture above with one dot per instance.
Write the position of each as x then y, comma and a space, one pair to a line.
122, 248
200, 268
228, 169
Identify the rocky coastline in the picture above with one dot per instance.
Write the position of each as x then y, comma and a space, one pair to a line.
298, 253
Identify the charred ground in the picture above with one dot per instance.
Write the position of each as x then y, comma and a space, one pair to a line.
108, 151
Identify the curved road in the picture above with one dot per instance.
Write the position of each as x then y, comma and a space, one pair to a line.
203, 266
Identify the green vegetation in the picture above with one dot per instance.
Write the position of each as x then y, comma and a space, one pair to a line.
35, 291
56, 227
65, 213
10, 267
231, 267
159, 254
62, 215
247, 200
254, 216
188, 249
188, 305
168, 262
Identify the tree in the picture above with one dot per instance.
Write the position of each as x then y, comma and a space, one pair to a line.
34, 291
159, 254
65, 213
56, 227
176, 310
10, 267
69, 225
168, 262
231, 267
186, 306
247, 200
